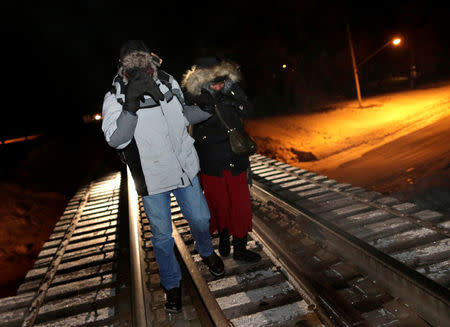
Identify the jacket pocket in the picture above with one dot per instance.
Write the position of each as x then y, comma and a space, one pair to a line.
164, 172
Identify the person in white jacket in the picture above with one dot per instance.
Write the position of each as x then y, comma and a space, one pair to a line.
146, 119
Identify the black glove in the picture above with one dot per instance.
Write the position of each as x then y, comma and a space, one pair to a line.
236, 97
235, 91
140, 84
206, 98
205, 101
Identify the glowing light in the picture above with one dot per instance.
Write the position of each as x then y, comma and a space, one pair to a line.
21, 139
284, 66
396, 41
98, 117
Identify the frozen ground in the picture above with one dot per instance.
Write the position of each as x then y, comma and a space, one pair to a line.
396, 144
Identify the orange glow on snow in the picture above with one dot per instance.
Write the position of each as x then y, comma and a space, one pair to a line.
347, 132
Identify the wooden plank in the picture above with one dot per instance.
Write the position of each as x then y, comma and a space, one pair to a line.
364, 218
425, 255
379, 229
99, 316
405, 240
286, 314
70, 276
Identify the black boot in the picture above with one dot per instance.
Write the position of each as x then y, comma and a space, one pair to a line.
224, 243
173, 300
241, 253
215, 265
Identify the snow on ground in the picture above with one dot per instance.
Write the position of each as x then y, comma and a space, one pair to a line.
397, 143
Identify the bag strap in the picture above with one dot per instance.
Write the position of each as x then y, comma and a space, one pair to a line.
222, 120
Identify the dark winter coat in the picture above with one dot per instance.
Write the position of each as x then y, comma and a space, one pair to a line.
211, 137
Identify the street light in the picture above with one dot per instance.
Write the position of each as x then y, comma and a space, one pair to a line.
396, 41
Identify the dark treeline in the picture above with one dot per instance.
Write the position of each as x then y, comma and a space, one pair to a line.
312, 41
73, 53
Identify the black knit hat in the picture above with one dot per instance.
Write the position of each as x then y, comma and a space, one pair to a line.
133, 46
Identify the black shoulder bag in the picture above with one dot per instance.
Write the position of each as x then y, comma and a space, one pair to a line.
240, 141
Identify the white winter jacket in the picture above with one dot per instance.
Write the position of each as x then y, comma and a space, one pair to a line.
155, 142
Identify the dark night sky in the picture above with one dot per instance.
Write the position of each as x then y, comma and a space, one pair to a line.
60, 62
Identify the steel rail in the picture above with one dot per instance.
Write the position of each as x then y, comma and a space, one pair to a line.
428, 298
137, 282
326, 302
418, 222
208, 298
33, 311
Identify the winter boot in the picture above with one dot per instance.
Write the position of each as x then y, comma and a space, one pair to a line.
215, 265
173, 300
240, 251
224, 243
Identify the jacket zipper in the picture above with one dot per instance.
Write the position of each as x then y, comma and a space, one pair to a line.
178, 160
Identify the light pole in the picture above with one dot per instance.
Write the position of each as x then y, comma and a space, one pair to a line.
395, 41
355, 69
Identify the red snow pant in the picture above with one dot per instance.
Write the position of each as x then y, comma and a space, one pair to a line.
229, 203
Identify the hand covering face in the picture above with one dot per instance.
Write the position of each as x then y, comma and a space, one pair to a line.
140, 83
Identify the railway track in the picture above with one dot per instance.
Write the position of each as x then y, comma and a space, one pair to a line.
77, 277
402, 248
332, 255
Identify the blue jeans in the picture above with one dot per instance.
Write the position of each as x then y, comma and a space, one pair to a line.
195, 210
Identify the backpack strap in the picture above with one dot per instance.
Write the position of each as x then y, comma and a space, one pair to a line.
165, 78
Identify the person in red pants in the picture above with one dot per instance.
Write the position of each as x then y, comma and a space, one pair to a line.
212, 83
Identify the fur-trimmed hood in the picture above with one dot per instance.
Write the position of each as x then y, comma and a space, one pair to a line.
197, 78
